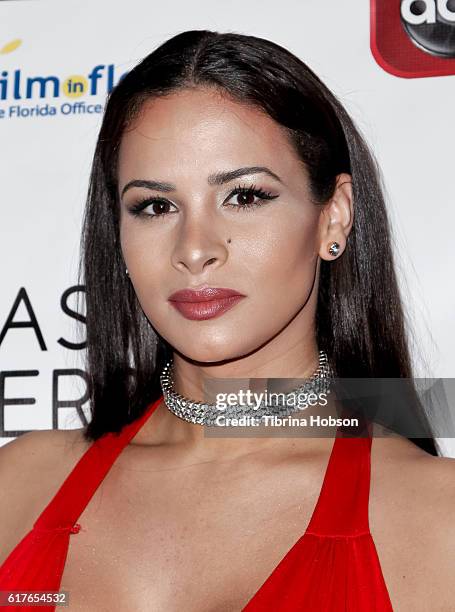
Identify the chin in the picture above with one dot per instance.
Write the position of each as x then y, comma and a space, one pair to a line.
209, 353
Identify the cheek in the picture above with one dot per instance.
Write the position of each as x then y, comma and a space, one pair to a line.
131, 240
147, 265
284, 258
141, 250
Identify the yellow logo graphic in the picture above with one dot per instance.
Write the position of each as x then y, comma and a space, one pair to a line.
74, 86
11, 46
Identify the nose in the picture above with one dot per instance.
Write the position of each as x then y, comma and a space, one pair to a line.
199, 244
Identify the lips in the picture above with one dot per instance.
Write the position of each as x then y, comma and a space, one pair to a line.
204, 303
205, 294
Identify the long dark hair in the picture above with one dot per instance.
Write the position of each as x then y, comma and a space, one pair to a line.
359, 322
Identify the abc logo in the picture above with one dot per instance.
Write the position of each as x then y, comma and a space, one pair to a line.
430, 24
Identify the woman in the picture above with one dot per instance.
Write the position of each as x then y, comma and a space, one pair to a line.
262, 185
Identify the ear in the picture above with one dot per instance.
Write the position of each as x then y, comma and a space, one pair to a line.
336, 218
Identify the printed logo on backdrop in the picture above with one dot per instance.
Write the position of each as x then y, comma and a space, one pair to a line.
413, 38
24, 94
30, 327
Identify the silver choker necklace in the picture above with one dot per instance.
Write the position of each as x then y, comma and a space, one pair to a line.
206, 414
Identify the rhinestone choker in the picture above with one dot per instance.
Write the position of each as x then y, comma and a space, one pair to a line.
206, 414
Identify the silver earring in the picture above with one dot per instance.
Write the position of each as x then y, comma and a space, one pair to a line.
334, 248
126, 271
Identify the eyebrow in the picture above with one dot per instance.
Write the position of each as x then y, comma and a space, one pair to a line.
218, 178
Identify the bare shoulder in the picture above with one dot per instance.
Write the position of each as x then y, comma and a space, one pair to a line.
389, 446
409, 468
42, 439
412, 497
38, 450
32, 467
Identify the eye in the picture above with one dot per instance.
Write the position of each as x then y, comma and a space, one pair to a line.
246, 197
159, 207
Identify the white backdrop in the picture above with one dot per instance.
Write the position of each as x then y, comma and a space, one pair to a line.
45, 161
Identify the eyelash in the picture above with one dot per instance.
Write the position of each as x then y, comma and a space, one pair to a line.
264, 196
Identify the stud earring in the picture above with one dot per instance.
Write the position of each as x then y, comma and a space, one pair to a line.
126, 271
334, 248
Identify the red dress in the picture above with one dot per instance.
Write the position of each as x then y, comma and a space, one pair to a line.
333, 566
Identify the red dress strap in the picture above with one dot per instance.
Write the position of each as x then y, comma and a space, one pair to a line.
80, 485
342, 506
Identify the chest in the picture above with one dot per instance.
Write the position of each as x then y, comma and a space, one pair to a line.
206, 540
198, 540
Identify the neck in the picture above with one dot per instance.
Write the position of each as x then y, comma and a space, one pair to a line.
165, 428
218, 445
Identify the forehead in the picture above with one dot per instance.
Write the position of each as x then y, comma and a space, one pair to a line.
199, 130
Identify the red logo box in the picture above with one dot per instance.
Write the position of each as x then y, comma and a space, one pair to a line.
413, 38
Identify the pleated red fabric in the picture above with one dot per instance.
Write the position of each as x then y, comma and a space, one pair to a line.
333, 566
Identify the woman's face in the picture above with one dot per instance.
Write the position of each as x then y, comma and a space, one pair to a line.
199, 231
